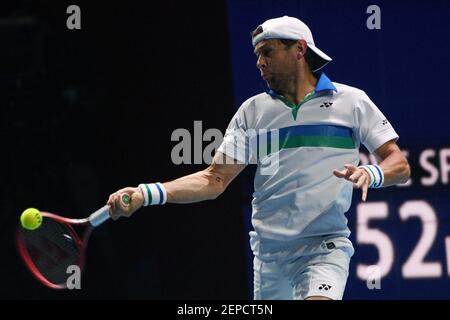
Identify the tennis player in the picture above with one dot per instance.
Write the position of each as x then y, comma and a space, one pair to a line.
300, 238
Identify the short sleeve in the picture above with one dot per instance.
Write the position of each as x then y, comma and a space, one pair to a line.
373, 129
235, 143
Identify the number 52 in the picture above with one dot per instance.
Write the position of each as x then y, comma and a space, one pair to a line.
415, 266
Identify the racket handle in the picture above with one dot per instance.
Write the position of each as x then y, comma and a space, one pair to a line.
102, 214
99, 216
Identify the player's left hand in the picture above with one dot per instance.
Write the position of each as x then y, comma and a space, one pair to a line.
358, 176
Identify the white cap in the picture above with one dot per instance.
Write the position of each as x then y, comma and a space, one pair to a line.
292, 29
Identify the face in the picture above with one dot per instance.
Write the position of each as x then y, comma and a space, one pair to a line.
276, 62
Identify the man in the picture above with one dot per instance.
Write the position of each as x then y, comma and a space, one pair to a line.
300, 241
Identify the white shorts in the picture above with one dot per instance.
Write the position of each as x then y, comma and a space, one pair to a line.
317, 267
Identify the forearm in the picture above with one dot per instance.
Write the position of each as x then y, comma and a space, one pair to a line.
395, 168
203, 185
199, 186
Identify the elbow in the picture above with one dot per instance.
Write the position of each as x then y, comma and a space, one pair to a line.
216, 185
216, 191
215, 195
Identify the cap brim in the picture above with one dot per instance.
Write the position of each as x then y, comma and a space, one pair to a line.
322, 55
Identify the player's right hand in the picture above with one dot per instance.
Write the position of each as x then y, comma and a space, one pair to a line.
120, 209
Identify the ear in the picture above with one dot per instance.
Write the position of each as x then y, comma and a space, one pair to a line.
301, 48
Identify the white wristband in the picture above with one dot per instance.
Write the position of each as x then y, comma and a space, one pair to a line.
154, 193
376, 175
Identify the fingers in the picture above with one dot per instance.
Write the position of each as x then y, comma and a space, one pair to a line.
362, 179
355, 177
365, 188
115, 211
362, 182
345, 173
340, 174
110, 199
358, 176
112, 210
120, 207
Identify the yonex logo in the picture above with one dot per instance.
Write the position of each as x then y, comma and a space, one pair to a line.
331, 245
326, 104
325, 287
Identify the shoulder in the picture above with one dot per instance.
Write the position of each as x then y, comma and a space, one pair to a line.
252, 103
349, 92
354, 97
256, 99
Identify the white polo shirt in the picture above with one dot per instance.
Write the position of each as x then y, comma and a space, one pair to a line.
301, 197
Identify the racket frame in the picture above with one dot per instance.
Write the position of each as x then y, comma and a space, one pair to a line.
94, 220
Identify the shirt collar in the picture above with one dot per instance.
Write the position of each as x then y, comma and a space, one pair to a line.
323, 84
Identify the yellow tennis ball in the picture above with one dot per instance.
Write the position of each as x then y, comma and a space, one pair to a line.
31, 219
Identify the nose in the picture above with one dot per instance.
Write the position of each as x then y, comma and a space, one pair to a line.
261, 63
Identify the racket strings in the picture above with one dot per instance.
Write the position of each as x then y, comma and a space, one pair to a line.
52, 248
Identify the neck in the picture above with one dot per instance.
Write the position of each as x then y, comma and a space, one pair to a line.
300, 86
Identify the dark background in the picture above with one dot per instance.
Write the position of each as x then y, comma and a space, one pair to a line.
86, 112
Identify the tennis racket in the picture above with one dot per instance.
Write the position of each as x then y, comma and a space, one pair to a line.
49, 250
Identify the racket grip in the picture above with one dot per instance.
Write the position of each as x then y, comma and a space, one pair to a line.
99, 216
